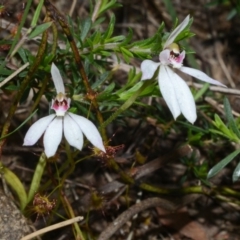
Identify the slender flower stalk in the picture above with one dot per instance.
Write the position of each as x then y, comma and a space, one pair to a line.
62, 122
174, 89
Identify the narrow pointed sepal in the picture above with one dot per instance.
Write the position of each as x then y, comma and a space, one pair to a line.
89, 130
72, 132
185, 99
53, 136
200, 75
166, 84
57, 79
37, 130
177, 94
176, 32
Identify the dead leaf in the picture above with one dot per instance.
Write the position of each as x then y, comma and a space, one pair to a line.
182, 223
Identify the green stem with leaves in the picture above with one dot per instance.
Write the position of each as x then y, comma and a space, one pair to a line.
126, 105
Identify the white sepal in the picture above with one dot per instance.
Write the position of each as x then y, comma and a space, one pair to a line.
166, 84
185, 99
200, 75
37, 130
72, 132
89, 130
53, 136
57, 79
176, 32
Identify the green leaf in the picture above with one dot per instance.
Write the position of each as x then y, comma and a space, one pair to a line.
201, 91
37, 177
98, 22
126, 54
39, 29
126, 104
13, 181
22, 54
228, 133
170, 8
12, 87
230, 118
107, 5
5, 71
103, 77
105, 53
116, 39
133, 78
109, 30
37, 14
107, 92
90, 43
128, 38
127, 94
194, 128
146, 91
236, 173
96, 38
85, 27
218, 167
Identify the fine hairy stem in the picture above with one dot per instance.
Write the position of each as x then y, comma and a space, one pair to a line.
68, 206
91, 95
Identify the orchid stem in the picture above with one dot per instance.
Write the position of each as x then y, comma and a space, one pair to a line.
68, 205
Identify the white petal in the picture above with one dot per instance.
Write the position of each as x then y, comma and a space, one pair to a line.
166, 84
176, 31
53, 137
89, 130
164, 57
148, 68
72, 132
200, 75
185, 99
37, 130
57, 79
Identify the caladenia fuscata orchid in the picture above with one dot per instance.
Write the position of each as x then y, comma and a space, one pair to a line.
62, 122
174, 89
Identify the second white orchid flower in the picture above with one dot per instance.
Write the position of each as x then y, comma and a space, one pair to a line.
174, 89
62, 122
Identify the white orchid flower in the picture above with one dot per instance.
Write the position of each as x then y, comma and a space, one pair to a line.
173, 88
62, 122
